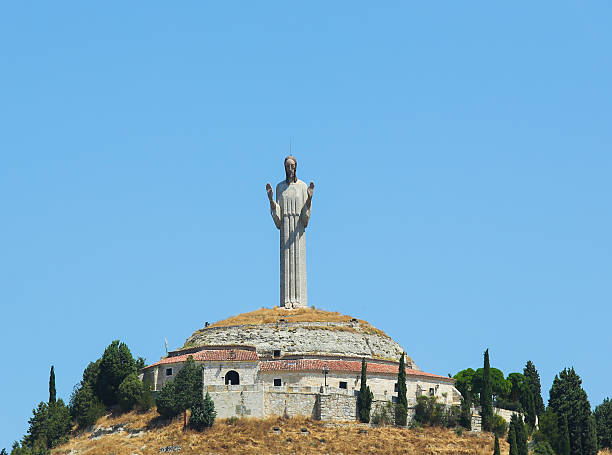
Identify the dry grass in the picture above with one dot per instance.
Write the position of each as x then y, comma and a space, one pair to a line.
256, 436
272, 315
605, 452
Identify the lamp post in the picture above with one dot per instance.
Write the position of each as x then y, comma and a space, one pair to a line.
325, 371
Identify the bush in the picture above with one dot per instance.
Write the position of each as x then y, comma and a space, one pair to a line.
499, 426
542, 448
129, 392
166, 401
85, 407
147, 400
383, 415
202, 414
401, 415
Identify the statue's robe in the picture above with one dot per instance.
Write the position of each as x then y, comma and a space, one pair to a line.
291, 215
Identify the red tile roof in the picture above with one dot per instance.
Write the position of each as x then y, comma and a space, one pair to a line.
352, 366
240, 355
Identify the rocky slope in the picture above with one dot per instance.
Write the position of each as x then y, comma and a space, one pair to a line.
305, 331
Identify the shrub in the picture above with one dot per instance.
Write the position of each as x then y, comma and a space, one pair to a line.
383, 415
499, 426
202, 414
166, 401
401, 415
85, 407
147, 400
129, 392
542, 448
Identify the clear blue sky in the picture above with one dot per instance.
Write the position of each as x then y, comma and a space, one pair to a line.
462, 154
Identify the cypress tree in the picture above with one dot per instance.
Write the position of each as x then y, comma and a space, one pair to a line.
401, 407
364, 399
567, 397
496, 446
486, 400
564, 439
533, 380
52, 386
521, 437
512, 440
590, 446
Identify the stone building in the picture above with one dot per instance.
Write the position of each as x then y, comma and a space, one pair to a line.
297, 362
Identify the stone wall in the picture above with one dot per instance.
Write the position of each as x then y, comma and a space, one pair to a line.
278, 402
237, 400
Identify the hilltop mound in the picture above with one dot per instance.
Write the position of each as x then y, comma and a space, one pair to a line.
303, 331
145, 434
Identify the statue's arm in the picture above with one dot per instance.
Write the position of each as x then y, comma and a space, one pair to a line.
274, 207
305, 214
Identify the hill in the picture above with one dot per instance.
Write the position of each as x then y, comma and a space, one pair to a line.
135, 433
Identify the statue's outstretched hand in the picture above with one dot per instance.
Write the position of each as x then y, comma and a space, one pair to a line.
310, 190
269, 191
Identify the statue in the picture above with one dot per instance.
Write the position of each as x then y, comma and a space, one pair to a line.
291, 213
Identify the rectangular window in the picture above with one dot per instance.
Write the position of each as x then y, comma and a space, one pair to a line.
343, 385
396, 389
277, 383
431, 392
277, 353
168, 371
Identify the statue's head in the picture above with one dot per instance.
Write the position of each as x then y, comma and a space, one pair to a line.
290, 169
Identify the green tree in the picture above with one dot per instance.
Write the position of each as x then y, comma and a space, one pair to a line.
130, 392
52, 397
564, 437
567, 397
183, 392
464, 383
590, 446
202, 414
49, 426
603, 421
542, 448
401, 407
115, 365
512, 440
486, 400
500, 387
166, 402
521, 436
364, 399
533, 381
147, 400
496, 446
140, 363
465, 418
85, 406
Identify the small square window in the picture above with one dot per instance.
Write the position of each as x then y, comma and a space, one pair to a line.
343, 385
277, 383
277, 353
168, 371
431, 392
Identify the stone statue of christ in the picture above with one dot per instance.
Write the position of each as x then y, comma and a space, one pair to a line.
291, 212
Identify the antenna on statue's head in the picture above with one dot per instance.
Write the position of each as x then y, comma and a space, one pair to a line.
166, 343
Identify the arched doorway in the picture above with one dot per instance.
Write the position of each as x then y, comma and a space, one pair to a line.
232, 378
